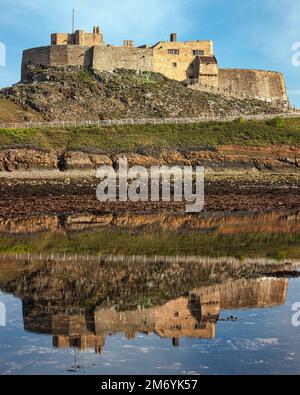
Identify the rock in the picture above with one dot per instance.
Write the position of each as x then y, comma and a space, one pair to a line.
71, 93
100, 160
27, 159
75, 160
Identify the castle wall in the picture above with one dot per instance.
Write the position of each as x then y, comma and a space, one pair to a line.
70, 55
242, 294
175, 60
110, 58
178, 65
35, 56
129, 322
254, 83
208, 73
175, 320
255, 294
62, 39
57, 55
91, 39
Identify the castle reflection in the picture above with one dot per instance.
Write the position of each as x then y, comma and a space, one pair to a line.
193, 316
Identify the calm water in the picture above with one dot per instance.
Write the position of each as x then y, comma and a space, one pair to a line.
150, 294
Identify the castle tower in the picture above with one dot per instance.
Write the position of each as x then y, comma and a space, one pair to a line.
80, 37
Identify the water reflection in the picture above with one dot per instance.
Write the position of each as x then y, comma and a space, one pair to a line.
269, 234
195, 316
81, 303
83, 280
267, 222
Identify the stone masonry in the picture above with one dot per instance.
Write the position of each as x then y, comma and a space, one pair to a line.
192, 62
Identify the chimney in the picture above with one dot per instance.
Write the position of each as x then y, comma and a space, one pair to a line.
128, 43
96, 30
173, 37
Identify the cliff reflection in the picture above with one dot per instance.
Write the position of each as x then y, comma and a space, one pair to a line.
268, 234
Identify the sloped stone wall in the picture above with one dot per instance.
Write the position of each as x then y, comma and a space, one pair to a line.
253, 83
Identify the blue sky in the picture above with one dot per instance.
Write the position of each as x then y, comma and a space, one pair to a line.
247, 33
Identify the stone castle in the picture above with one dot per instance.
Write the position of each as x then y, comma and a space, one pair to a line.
192, 62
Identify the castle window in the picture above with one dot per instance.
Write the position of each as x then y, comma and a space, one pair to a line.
208, 75
174, 65
173, 51
198, 52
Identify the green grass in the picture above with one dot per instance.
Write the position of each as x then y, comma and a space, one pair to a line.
145, 78
155, 137
275, 246
277, 122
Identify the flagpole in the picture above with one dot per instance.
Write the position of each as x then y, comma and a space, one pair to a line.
73, 21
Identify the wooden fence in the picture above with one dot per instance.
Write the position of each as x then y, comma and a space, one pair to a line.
144, 121
181, 259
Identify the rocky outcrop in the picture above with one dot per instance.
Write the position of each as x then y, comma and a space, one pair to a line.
278, 158
73, 93
27, 159
21, 159
74, 160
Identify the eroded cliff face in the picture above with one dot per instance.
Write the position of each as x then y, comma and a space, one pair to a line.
278, 158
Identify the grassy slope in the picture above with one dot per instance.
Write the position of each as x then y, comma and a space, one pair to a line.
149, 138
11, 112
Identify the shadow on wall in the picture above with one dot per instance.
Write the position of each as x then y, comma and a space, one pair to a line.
193, 70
